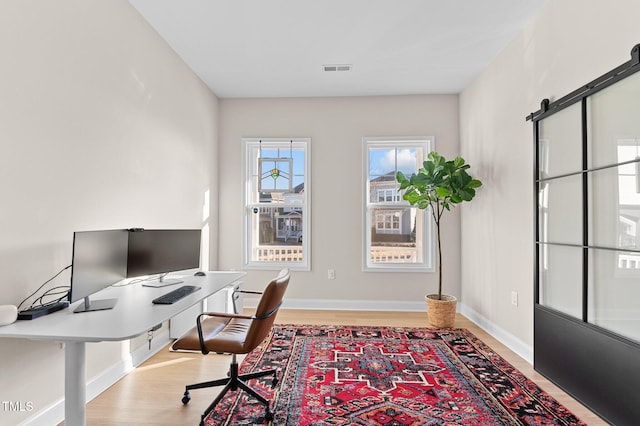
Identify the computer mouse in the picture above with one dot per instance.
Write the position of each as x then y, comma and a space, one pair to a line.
200, 274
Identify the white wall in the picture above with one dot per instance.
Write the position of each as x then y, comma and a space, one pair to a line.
336, 127
568, 44
101, 126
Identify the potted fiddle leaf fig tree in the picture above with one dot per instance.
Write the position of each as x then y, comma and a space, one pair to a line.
439, 185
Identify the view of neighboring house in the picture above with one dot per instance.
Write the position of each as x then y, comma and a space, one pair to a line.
391, 224
281, 225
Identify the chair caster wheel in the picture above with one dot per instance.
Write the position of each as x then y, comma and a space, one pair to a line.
186, 398
268, 414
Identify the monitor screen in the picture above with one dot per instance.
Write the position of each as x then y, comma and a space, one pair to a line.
160, 251
99, 260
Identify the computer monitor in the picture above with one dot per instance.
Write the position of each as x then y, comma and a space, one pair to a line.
161, 251
99, 260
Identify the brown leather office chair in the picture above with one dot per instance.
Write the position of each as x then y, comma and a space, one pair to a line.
236, 334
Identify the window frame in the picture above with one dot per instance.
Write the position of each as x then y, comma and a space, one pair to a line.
428, 264
248, 203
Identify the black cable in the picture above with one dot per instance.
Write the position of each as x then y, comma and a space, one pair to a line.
40, 300
45, 283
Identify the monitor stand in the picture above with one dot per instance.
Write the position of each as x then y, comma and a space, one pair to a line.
161, 282
96, 305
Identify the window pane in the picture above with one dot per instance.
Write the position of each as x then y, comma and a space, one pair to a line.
560, 280
384, 164
393, 236
383, 161
382, 174
615, 214
613, 290
275, 174
272, 170
560, 204
613, 117
560, 145
276, 234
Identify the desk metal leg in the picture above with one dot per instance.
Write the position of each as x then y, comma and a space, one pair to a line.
74, 383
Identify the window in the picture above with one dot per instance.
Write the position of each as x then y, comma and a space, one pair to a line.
398, 237
276, 198
388, 222
388, 195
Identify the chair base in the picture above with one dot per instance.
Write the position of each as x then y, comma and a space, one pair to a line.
233, 382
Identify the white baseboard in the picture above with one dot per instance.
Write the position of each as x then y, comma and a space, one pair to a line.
509, 340
345, 305
54, 414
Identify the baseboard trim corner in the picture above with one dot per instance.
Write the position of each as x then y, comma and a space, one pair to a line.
509, 340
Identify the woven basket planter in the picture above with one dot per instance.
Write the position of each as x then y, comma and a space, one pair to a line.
441, 313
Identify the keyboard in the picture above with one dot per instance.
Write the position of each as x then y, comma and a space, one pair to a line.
175, 295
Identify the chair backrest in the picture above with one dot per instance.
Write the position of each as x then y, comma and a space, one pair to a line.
267, 309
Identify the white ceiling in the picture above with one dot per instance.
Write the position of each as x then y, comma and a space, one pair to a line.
277, 48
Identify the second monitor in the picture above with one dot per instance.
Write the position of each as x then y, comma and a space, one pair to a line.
160, 251
99, 260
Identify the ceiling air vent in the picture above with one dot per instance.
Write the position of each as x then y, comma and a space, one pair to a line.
342, 67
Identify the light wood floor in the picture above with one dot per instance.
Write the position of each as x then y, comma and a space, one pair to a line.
150, 394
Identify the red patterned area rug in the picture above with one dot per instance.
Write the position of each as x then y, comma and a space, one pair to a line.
352, 375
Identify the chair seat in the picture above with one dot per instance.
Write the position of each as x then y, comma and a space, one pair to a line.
220, 335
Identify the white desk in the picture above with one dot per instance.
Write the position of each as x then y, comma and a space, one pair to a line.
133, 315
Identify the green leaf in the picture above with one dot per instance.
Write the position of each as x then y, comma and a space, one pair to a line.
475, 183
464, 177
435, 157
466, 194
419, 179
456, 199
443, 192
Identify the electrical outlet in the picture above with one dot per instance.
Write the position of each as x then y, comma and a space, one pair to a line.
514, 298
331, 274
